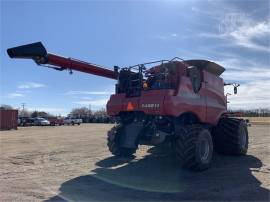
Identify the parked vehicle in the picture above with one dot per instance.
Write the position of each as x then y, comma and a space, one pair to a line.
26, 121
56, 121
72, 121
41, 122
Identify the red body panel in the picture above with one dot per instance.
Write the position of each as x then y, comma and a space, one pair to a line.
150, 102
208, 105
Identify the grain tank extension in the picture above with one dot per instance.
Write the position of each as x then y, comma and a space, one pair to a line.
180, 102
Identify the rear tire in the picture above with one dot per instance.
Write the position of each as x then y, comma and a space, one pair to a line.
231, 136
114, 143
194, 147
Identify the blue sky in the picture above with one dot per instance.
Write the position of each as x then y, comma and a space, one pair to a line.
232, 33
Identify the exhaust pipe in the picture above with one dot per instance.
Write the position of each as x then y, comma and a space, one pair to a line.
35, 51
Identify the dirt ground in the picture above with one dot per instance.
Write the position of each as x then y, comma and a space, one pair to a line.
72, 163
258, 120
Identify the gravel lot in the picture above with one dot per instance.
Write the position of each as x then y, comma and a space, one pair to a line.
72, 163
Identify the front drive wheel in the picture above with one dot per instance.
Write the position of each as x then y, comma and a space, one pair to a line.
114, 143
194, 147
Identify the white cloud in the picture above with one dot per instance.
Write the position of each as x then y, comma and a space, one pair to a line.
214, 14
249, 75
88, 93
255, 84
23, 91
243, 31
99, 102
167, 36
245, 35
29, 85
15, 95
251, 95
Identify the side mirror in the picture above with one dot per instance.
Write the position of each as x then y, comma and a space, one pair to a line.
235, 90
235, 85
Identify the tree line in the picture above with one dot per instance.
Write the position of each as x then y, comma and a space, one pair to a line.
84, 113
87, 114
261, 112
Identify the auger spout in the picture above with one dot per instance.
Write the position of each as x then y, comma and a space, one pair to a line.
38, 53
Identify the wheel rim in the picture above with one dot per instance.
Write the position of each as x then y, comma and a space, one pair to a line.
204, 149
243, 138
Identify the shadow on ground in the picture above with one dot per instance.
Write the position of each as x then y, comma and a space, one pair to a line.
158, 177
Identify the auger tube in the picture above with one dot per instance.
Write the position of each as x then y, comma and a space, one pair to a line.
38, 53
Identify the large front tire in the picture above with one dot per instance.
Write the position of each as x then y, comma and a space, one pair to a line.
231, 136
194, 147
113, 143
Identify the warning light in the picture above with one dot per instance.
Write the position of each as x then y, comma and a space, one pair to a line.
130, 106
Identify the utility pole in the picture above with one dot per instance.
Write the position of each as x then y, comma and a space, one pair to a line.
23, 105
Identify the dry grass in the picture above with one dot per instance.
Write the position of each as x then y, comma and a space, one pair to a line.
258, 120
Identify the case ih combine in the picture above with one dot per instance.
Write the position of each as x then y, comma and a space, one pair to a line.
177, 101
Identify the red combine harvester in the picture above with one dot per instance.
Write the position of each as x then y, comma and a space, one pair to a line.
176, 101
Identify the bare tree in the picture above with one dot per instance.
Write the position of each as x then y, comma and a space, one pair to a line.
81, 112
5, 107
40, 114
261, 112
24, 113
100, 113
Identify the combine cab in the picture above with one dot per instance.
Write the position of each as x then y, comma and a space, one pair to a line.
176, 101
